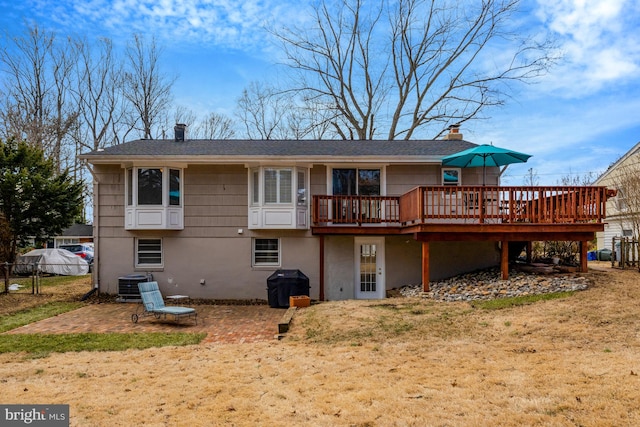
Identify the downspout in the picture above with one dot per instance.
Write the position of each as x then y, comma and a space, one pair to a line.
321, 278
96, 227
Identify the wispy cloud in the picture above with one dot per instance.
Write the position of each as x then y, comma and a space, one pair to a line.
225, 23
599, 39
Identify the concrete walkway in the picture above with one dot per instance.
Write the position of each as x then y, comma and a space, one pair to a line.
222, 323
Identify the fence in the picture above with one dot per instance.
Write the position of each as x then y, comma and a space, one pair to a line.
28, 282
30, 278
626, 252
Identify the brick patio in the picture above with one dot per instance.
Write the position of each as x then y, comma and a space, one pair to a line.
222, 323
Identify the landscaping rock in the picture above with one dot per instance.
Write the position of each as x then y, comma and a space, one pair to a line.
487, 284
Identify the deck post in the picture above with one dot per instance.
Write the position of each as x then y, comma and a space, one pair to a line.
425, 266
504, 260
321, 278
529, 251
584, 245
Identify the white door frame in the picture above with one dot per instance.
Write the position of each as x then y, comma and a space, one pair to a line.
380, 288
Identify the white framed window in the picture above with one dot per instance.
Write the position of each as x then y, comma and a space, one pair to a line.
621, 201
153, 186
278, 197
301, 193
451, 176
149, 252
275, 186
66, 241
278, 184
266, 252
255, 187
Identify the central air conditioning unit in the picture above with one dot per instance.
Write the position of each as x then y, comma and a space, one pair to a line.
128, 285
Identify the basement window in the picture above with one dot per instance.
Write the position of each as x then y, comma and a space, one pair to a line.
148, 252
266, 252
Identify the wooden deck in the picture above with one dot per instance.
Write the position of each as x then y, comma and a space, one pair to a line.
465, 205
468, 213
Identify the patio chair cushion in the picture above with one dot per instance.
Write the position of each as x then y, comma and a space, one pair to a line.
153, 302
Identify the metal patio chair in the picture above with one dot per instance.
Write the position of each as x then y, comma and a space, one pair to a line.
153, 305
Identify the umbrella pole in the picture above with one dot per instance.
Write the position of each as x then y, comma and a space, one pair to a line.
484, 170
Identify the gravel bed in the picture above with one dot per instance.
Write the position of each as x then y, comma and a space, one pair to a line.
487, 284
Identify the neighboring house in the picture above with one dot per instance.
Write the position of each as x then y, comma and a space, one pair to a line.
622, 210
215, 218
76, 233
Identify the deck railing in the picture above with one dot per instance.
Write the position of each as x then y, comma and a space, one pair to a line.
355, 210
467, 204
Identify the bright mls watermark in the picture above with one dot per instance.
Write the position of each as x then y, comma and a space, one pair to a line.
34, 415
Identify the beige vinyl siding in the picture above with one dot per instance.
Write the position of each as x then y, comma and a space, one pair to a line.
215, 199
111, 195
318, 179
210, 246
401, 179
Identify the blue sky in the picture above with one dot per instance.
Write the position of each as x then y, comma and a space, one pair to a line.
579, 118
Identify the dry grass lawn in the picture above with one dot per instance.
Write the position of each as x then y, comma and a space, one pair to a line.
573, 361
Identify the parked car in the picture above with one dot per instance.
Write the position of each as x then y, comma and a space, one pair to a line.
83, 250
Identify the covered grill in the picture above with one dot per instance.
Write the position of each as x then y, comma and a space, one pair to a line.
283, 284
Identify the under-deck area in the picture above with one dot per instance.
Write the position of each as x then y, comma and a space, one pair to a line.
469, 213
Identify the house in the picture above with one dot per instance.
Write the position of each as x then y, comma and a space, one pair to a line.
623, 210
76, 233
215, 218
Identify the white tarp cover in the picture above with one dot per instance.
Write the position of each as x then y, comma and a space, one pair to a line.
52, 261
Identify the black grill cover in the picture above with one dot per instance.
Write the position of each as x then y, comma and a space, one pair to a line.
283, 284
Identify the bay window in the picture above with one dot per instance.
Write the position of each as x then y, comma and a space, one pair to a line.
153, 198
278, 197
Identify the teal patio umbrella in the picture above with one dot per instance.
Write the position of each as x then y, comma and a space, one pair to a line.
482, 156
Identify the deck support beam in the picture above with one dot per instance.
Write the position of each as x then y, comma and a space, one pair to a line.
504, 260
321, 278
584, 245
425, 266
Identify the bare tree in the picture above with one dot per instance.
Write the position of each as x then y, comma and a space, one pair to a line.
531, 179
99, 96
267, 112
184, 115
577, 179
308, 121
215, 126
36, 99
262, 111
398, 67
65, 113
627, 181
146, 88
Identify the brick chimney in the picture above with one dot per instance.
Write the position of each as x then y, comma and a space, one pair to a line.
454, 133
180, 131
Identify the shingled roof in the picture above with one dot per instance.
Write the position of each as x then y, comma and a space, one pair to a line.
78, 230
318, 149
